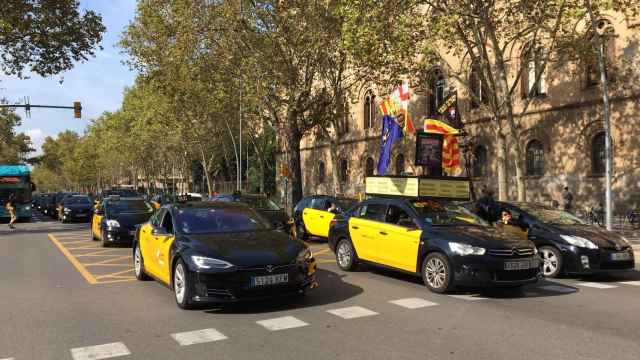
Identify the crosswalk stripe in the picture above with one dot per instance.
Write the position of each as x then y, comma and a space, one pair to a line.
198, 337
596, 285
7, 359
352, 312
413, 303
558, 289
281, 323
97, 352
635, 283
475, 297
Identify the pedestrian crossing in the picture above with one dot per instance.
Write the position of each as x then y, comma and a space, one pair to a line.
195, 337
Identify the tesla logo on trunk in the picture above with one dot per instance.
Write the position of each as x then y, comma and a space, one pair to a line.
269, 268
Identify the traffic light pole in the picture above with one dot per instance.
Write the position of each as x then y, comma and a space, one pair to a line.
77, 108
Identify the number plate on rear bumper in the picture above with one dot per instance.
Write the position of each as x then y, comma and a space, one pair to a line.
269, 280
521, 265
623, 256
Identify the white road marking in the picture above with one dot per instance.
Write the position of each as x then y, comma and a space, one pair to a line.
413, 303
198, 337
635, 283
7, 359
281, 323
596, 285
352, 312
474, 297
558, 289
105, 351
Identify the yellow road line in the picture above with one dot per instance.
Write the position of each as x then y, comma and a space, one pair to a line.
105, 262
100, 252
325, 261
117, 281
98, 255
86, 247
316, 253
81, 269
108, 264
114, 275
74, 242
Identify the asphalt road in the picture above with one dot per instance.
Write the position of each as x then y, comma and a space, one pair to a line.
62, 297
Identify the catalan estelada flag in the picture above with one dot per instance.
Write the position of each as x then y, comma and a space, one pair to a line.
450, 146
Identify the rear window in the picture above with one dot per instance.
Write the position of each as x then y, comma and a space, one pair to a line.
437, 213
217, 220
124, 206
260, 203
79, 200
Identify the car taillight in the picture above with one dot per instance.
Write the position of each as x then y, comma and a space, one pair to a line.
333, 222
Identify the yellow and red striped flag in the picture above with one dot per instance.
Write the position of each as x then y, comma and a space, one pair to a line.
450, 146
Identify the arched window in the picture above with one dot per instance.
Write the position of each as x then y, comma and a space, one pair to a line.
321, 172
436, 88
532, 67
369, 109
345, 117
480, 161
598, 154
399, 164
607, 44
344, 170
535, 158
369, 167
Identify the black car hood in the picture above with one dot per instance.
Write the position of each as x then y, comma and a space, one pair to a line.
601, 237
249, 249
130, 220
498, 237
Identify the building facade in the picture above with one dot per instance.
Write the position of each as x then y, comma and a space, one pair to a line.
561, 131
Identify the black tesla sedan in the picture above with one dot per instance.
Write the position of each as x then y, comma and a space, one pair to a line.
442, 242
76, 208
220, 252
263, 205
567, 244
115, 220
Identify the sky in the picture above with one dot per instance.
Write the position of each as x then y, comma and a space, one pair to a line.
98, 83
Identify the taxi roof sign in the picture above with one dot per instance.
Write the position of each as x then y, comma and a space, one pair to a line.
454, 188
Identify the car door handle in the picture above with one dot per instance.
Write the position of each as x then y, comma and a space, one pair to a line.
383, 233
355, 227
321, 216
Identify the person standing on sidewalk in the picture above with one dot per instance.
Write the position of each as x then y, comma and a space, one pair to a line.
567, 199
11, 209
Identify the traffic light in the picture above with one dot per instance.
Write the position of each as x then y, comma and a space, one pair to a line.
77, 110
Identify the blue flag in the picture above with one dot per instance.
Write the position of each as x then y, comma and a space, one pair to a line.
391, 132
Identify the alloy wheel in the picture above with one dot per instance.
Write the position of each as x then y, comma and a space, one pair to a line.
137, 262
436, 273
179, 283
344, 254
550, 262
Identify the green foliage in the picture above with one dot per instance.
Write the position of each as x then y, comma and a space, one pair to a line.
14, 147
46, 36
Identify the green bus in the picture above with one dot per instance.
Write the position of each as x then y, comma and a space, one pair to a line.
16, 180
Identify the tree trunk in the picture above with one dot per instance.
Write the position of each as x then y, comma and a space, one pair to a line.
294, 167
333, 148
503, 186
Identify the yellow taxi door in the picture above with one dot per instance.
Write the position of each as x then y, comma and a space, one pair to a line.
162, 247
96, 228
323, 221
147, 247
309, 218
364, 230
398, 241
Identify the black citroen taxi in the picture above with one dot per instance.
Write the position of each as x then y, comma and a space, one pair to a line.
432, 237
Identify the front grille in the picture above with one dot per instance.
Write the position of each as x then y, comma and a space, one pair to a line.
512, 252
515, 275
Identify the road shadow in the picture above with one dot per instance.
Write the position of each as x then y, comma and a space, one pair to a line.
55, 228
332, 289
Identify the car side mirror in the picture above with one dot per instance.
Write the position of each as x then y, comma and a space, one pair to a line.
159, 231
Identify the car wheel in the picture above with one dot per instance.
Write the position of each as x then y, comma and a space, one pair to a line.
182, 286
103, 238
437, 274
346, 255
551, 261
301, 232
138, 264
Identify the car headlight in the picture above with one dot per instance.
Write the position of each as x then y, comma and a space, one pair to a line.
113, 224
27, 208
625, 241
67, 210
204, 262
465, 249
304, 255
579, 241
535, 250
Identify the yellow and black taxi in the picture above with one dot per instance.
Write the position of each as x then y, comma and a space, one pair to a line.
567, 244
115, 219
313, 214
412, 225
220, 252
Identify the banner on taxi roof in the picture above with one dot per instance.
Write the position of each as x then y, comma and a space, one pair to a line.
449, 188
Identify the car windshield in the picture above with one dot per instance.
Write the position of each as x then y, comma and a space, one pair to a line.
78, 200
129, 206
345, 204
218, 220
438, 213
551, 216
261, 203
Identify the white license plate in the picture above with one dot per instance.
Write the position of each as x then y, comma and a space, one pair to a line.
132, 232
621, 256
269, 280
519, 265
81, 215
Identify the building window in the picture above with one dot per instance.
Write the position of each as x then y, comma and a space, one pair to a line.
321, 172
532, 67
480, 161
400, 164
436, 85
598, 154
535, 158
369, 110
369, 167
478, 92
344, 170
608, 47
